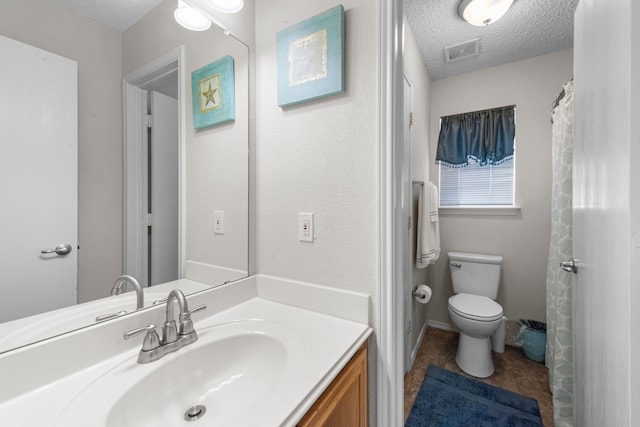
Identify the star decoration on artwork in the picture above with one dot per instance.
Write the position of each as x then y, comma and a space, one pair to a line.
209, 94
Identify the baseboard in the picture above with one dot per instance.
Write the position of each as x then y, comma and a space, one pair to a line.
511, 335
414, 352
443, 326
423, 331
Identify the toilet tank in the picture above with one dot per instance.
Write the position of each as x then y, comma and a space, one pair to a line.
475, 274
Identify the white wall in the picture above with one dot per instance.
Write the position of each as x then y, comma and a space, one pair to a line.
43, 24
523, 240
420, 163
319, 157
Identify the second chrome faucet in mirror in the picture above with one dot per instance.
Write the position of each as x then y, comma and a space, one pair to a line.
119, 287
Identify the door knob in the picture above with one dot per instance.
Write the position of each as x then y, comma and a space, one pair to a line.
570, 266
61, 249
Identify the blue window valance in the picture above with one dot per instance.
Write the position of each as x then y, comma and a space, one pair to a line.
486, 136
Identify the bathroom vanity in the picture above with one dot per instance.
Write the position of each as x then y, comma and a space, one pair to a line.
344, 403
269, 352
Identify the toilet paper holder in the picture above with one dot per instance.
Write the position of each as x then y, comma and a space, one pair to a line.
415, 293
422, 294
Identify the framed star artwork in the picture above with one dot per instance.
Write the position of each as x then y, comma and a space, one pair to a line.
310, 58
214, 99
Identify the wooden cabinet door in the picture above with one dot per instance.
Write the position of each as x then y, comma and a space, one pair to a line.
344, 403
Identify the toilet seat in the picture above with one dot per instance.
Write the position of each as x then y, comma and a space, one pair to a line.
475, 307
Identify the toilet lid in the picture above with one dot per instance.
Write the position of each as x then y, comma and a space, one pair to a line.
475, 307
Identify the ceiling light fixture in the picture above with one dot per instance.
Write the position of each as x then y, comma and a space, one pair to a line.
190, 18
483, 12
227, 6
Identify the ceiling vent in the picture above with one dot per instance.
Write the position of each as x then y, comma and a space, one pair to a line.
462, 50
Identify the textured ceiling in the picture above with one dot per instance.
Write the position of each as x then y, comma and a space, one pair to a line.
530, 28
117, 14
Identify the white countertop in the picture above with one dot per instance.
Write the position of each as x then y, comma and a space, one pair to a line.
324, 343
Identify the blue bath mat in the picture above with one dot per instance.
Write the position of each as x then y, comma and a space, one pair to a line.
447, 399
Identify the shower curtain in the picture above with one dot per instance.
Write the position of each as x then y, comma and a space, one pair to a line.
559, 352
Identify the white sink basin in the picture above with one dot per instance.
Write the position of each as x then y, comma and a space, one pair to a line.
233, 370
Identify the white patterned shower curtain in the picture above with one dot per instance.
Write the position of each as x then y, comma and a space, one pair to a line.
559, 353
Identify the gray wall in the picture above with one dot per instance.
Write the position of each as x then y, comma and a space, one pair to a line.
420, 165
523, 239
216, 160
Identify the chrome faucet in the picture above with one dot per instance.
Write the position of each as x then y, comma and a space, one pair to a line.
174, 336
118, 288
170, 330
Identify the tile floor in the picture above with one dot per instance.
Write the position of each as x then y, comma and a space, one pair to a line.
514, 371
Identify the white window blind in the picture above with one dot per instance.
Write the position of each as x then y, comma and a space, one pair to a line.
475, 185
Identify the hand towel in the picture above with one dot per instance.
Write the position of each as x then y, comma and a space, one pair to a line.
428, 247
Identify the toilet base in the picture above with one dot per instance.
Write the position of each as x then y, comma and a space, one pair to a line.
474, 356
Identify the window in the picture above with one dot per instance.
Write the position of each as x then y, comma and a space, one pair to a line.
476, 154
475, 185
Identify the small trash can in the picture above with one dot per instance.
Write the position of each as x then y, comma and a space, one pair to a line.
533, 336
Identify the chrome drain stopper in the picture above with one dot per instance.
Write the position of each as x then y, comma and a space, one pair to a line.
194, 412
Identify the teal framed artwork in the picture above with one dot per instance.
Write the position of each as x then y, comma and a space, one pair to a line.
214, 98
310, 58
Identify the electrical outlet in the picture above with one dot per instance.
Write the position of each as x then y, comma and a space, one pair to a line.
305, 226
218, 227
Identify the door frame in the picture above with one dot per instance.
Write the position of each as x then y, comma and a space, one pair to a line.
407, 187
134, 133
392, 236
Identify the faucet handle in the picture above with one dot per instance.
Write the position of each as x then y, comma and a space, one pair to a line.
197, 309
186, 316
186, 324
151, 340
103, 317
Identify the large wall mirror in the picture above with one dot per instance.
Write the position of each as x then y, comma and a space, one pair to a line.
156, 198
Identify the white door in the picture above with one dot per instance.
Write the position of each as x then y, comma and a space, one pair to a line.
163, 247
38, 179
605, 214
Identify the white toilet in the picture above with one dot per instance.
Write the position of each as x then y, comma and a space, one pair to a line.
474, 311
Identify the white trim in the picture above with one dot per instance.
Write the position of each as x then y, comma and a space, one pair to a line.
414, 352
443, 326
132, 227
134, 176
406, 175
213, 275
182, 159
342, 303
480, 210
389, 384
155, 69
